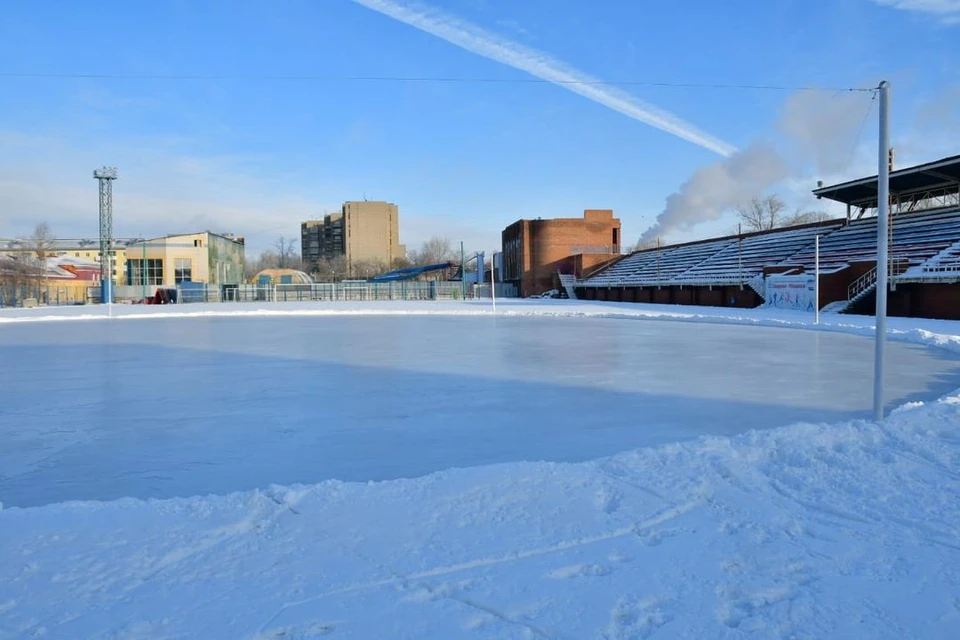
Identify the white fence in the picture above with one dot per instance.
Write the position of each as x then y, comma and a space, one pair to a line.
340, 291
327, 291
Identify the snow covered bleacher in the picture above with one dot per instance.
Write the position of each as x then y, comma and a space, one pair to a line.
947, 261
669, 262
622, 271
924, 241
917, 237
653, 267
746, 258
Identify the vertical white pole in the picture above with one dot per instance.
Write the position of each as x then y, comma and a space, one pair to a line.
816, 280
883, 206
493, 289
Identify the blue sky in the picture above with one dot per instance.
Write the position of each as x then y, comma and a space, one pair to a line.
255, 155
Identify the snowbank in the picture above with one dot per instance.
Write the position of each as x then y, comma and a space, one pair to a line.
845, 530
510, 307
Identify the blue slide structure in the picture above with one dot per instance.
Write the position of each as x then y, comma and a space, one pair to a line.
410, 273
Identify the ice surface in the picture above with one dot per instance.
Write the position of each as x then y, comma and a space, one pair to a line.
186, 406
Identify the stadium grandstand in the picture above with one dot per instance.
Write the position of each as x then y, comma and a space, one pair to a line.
736, 270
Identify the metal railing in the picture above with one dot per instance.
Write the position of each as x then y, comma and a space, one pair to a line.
864, 283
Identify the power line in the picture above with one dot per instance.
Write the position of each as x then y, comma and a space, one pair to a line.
856, 142
419, 79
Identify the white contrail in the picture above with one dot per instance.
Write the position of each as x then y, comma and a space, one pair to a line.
474, 39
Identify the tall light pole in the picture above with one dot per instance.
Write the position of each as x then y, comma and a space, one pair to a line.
105, 176
816, 279
883, 212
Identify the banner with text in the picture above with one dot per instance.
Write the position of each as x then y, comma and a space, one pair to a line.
790, 292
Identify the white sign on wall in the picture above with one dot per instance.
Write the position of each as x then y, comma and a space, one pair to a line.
790, 292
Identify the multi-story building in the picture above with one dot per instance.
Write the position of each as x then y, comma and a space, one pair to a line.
195, 257
535, 251
54, 280
361, 232
81, 248
311, 241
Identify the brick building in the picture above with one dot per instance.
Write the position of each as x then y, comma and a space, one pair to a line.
535, 251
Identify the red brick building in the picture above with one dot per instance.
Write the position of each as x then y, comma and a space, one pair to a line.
535, 251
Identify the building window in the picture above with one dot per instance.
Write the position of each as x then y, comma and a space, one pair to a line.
183, 272
154, 271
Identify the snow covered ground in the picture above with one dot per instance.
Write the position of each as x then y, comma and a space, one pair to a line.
839, 529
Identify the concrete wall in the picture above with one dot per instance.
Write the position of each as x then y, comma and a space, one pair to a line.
227, 260
726, 296
918, 300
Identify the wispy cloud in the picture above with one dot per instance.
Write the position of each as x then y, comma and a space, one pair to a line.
165, 188
495, 47
946, 11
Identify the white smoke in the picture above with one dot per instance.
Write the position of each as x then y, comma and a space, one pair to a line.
714, 188
819, 131
476, 40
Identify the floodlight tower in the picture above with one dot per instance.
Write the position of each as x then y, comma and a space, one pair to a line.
105, 176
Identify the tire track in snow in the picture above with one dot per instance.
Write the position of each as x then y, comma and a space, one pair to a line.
482, 563
253, 523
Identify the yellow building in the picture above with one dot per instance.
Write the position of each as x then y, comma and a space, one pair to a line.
205, 257
82, 248
361, 232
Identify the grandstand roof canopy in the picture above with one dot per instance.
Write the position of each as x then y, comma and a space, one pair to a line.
409, 273
940, 174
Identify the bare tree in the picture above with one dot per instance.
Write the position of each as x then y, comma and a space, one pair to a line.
806, 217
400, 263
16, 275
770, 212
433, 251
41, 243
283, 255
762, 213
266, 260
330, 269
287, 257
363, 269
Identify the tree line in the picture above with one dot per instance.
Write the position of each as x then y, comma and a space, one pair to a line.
23, 271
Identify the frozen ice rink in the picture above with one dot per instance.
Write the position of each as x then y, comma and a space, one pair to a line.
170, 407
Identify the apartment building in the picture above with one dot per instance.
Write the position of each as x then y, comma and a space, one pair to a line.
361, 232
